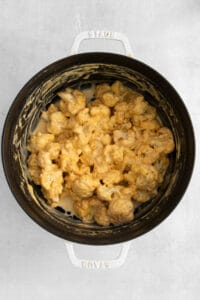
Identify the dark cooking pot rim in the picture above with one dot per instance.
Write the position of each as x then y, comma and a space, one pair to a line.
53, 69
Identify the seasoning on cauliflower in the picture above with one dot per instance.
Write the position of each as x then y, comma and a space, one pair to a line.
84, 186
106, 156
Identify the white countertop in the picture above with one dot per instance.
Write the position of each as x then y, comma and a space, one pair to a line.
163, 264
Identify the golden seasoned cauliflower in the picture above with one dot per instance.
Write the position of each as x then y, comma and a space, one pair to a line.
44, 159
118, 88
163, 141
39, 141
84, 210
125, 138
72, 101
112, 177
54, 150
140, 106
101, 214
34, 169
109, 99
57, 122
100, 111
101, 89
85, 186
121, 211
107, 155
83, 116
106, 193
113, 154
90, 210
52, 182
68, 158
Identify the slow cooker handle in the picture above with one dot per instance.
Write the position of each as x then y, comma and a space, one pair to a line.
101, 34
98, 264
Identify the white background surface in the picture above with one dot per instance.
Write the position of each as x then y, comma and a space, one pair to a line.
163, 264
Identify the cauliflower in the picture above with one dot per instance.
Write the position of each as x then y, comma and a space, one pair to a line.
84, 210
103, 154
109, 99
112, 177
39, 141
57, 122
106, 193
125, 138
120, 211
34, 169
113, 154
72, 101
101, 89
142, 196
117, 88
101, 214
163, 141
69, 158
83, 116
52, 182
161, 166
100, 111
139, 106
90, 210
144, 177
44, 159
147, 154
84, 186
54, 150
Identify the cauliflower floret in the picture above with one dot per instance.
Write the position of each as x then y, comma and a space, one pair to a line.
147, 154
113, 154
117, 88
106, 193
83, 116
84, 210
161, 165
34, 169
120, 211
101, 89
100, 111
163, 141
106, 139
85, 186
140, 106
144, 177
57, 122
44, 160
52, 182
150, 124
125, 138
122, 107
54, 150
109, 99
100, 212
84, 133
63, 137
90, 210
39, 141
142, 196
69, 158
112, 177
72, 101
100, 168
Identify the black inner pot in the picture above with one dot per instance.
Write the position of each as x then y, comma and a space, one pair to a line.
76, 71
